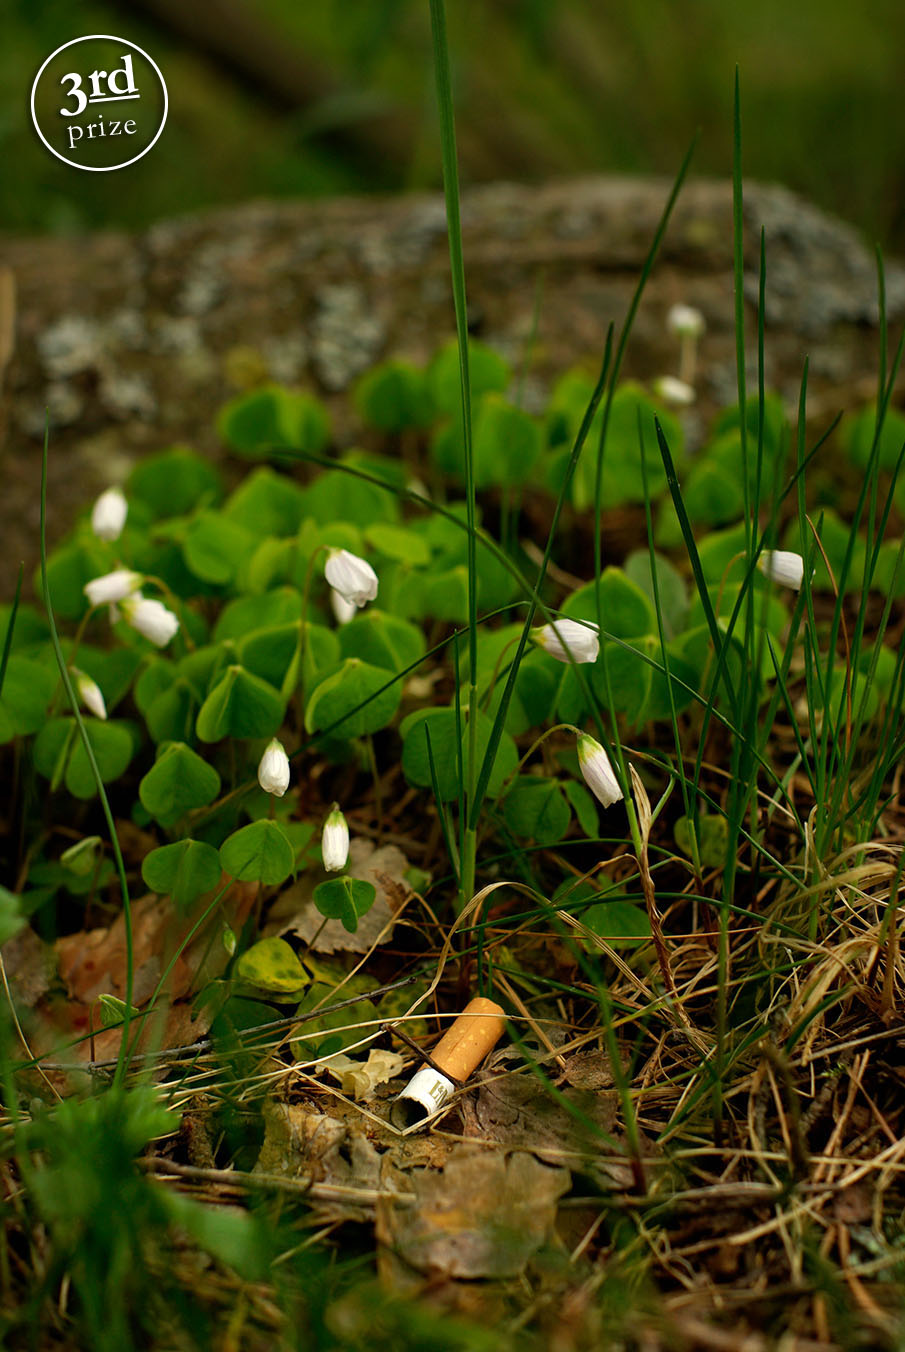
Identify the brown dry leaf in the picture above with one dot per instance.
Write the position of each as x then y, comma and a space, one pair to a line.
296, 913
300, 1142
485, 1214
173, 1026
575, 1128
30, 966
589, 1070
361, 1078
93, 962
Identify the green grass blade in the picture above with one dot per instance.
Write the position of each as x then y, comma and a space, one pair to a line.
457, 267
123, 1058
11, 625
500, 718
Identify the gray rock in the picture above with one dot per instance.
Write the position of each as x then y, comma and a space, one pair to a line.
137, 335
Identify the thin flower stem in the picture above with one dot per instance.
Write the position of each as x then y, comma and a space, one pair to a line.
123, 1058
375, 776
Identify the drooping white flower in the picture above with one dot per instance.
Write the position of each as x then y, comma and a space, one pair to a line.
343, 610
568, 640
151, 618
90, 693
273, 771
673, 391
782, 566
597, 771
113, 587
685, 321
108, 516
352, 577
335, 841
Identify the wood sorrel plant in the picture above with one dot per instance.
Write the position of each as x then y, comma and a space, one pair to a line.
223, 721
183, 730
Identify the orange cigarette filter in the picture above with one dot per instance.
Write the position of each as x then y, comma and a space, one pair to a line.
470, 1038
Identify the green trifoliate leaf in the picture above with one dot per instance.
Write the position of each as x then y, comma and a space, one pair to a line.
440, 724
335, 702
535, 809
345, 899
183, 871
215, 547
178, 781
259, 852
713, 838
394, 396
175, 481
240, 705
270, 418
27, 690
272, 965
60, 755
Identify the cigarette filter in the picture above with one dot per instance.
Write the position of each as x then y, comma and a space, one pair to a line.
461, 1049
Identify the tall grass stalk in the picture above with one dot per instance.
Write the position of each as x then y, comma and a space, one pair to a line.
442, 75
123, 1058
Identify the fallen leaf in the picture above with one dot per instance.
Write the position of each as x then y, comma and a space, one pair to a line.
300, 1142
575, 1127
30, 966
485, 1214
296, 913
361, 1078
92, 962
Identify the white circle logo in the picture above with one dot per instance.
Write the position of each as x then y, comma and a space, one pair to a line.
99, 103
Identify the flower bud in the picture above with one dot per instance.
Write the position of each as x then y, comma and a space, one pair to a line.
108, 516
597, 771
150, 618
782, 566
335, 841
670, 390
273, 771
568, 640
685, 321
82, 857
352, 577
113, 587
90, 693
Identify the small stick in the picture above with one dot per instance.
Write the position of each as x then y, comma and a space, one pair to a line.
412, 1045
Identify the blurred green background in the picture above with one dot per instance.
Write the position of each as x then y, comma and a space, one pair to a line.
288, 98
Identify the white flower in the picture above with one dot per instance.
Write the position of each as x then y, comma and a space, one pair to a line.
685, 321
108, 516
273, 771
673, 391
597, 771
90, 693
335, 841
151, 618
568, 640
343, 610
113, 587
352, 577
783, 566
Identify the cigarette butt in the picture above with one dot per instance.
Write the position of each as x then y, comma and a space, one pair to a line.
461, 1049
464, 1046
